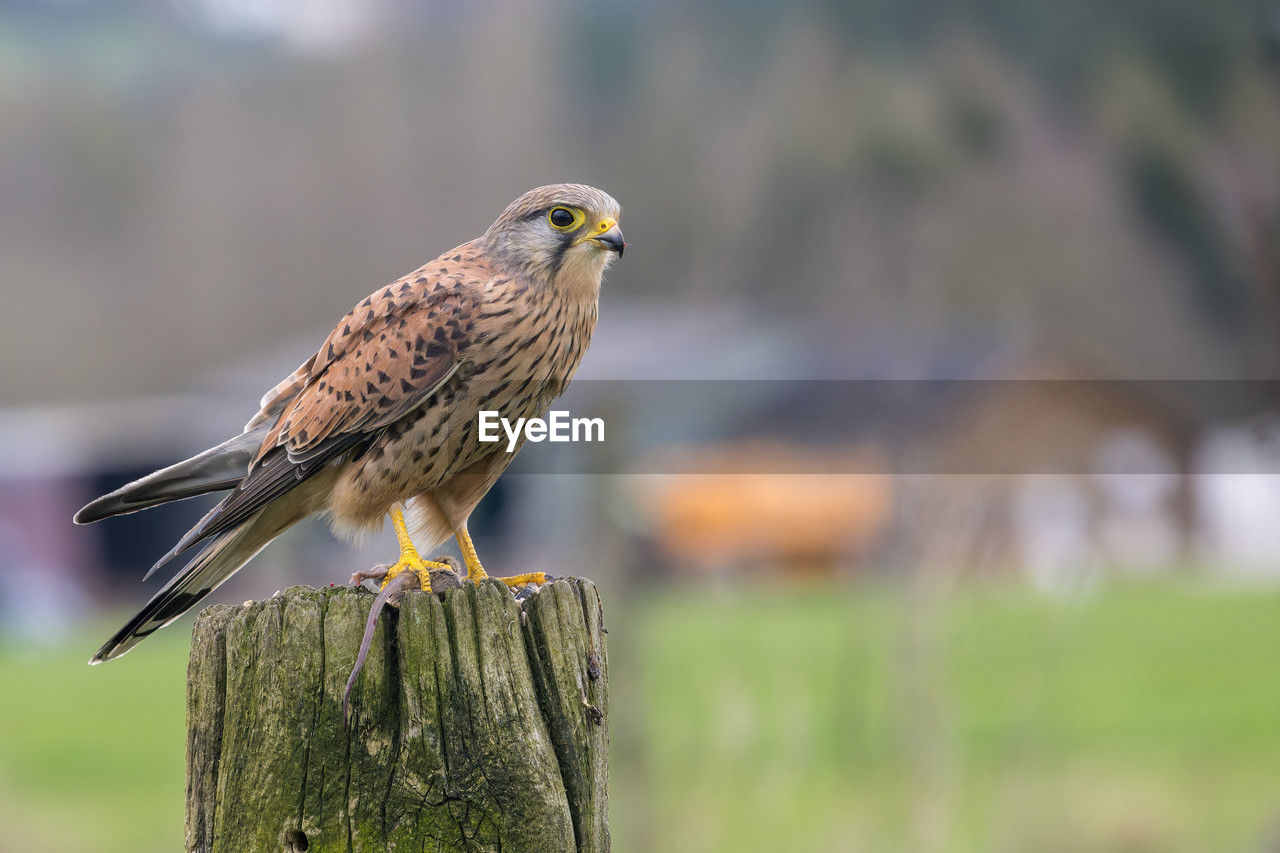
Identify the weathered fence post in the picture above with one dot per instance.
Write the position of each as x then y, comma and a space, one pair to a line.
478, 723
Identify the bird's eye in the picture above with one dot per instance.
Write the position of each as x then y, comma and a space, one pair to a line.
563, 218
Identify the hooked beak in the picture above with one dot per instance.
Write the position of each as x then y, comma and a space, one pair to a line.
608, 235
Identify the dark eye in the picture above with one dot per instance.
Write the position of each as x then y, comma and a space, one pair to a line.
561, 217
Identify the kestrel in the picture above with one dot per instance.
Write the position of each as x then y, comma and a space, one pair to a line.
382, 420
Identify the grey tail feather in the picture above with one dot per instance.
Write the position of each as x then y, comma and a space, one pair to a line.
216, 469
219, 560
187, 540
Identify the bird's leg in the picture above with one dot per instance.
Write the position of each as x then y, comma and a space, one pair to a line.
476, 572
409, 557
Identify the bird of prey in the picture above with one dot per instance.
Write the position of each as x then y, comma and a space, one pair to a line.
383, 419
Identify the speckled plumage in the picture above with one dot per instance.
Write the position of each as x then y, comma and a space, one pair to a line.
386, 411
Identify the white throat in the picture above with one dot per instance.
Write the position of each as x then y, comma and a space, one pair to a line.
582, 271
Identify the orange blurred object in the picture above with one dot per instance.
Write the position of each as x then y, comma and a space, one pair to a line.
747, 505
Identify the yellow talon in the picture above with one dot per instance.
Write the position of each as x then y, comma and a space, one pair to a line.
525, 579
476, 572
409, 560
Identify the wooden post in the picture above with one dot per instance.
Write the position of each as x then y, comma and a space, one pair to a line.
478, 723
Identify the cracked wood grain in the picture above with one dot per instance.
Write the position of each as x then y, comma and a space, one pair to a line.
475, 725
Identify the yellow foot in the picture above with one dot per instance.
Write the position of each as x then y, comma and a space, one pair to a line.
409, 560
525, 579
413, 563
476, 572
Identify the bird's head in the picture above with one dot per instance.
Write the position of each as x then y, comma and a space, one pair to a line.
564, 235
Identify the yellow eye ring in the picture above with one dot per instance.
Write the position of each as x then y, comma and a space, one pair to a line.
565, 218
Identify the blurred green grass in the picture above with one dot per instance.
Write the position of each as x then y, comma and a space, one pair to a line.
1135, 718
91, 758
820, 718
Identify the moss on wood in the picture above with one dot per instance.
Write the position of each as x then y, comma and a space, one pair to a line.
477, 724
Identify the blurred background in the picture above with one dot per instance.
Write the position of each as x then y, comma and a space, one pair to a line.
938, 507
